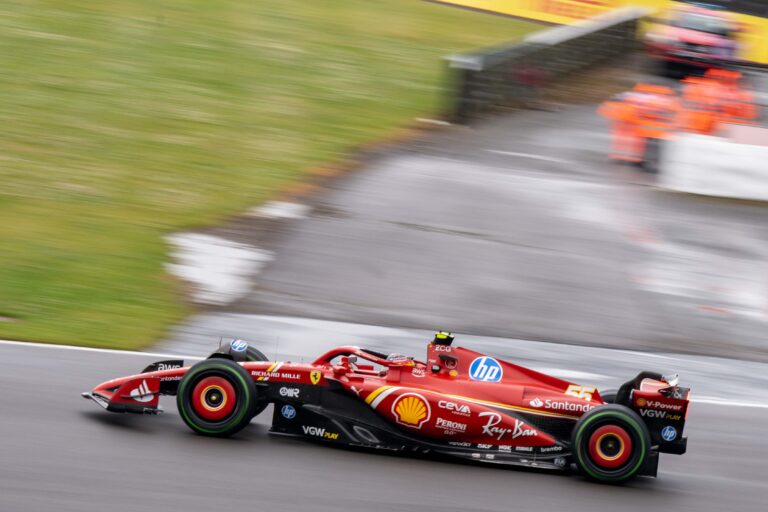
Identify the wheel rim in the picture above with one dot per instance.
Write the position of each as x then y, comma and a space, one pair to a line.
214, 398
610, 446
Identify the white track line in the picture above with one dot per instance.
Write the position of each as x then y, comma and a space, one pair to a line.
92, 349
528, 155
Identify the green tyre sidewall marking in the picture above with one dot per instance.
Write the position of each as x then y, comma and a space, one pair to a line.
183, 407
579, 448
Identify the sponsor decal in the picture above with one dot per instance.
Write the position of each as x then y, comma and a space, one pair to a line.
484, 446
560, 461
315, 376
653, 413
355, 390
319, 432
238, 345
271, 373
459, 443
485, 369
524, 448
505, 448
583, 392
669, 433
558, 405
411, 410
289, 392
475, 455
288, 412
418, 372
491, 429
141, 394
459, 409
166, 366
551, 449
655, 404
450, 425
171, 378
443, 348
490, 456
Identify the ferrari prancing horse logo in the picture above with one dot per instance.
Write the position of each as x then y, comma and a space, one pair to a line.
315, 376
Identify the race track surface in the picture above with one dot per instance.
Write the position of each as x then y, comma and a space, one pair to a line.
63, 453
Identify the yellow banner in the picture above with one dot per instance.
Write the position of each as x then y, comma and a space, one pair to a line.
753, 38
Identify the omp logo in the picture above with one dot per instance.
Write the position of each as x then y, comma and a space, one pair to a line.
141, 393
460, 409
289, 392
485, 369
319, 432
411, 410
536, 402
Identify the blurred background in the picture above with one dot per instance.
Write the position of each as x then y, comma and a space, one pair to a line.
575, 185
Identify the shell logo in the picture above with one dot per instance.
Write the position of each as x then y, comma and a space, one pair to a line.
411, 410
641, 402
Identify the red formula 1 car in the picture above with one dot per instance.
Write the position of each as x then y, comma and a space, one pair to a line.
459, 403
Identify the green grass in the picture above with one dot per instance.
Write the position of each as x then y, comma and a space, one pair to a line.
123, 121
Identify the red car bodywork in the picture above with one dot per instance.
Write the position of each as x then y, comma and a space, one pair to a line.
458, 402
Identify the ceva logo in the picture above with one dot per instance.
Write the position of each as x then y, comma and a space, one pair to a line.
485, 369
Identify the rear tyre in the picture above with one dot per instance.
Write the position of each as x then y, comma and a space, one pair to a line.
609, 395
610, 444
216, 397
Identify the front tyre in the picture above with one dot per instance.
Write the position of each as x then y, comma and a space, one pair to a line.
610, 444
216, 397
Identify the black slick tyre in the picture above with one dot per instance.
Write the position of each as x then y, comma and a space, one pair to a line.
611, 444
216, 397
609, 395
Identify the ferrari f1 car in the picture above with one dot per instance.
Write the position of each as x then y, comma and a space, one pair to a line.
458, 403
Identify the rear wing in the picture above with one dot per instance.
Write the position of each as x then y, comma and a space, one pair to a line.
663, 407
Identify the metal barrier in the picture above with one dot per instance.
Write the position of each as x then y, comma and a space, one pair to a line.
507, 74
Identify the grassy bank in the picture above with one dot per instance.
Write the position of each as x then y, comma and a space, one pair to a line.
124, 121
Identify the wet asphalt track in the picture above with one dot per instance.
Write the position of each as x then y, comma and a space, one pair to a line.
63, 453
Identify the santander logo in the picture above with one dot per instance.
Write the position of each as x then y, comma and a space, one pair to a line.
536, 402
141, 393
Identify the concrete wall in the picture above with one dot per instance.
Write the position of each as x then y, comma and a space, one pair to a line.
716, 166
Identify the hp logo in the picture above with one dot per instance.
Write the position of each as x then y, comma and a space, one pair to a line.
288, 412
238, 345
486, 369
669, 433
